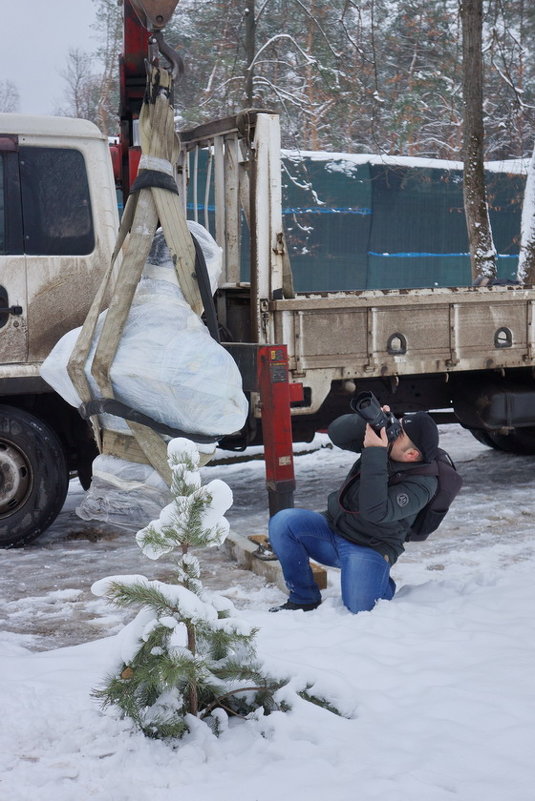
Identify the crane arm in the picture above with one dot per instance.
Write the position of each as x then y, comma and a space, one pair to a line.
154, 14
142, 40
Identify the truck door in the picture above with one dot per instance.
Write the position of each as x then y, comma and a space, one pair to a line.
13, 296
59, 240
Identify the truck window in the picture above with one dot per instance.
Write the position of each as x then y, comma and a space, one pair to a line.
56, 205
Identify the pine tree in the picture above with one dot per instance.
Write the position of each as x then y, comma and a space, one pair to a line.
358, 75
188, 652
509, 91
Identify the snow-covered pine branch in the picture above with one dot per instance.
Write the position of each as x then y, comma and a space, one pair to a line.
187, 652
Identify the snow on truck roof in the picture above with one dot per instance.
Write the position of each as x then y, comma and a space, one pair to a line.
347, 160
37, 125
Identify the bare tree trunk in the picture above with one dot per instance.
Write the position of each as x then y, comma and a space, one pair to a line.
9, 97
110, 26
526, 260
193, 698
482, 251
310, 138
250, 50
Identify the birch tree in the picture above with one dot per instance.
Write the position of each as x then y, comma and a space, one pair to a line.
526, 261
81, 95
92, 79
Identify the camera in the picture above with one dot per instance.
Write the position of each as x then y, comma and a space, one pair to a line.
366, 405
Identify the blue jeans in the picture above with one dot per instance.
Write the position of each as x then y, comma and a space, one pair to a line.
299, 534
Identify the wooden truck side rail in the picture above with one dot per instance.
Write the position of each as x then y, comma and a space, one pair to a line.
462, 348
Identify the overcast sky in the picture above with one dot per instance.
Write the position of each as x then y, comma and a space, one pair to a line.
36, 37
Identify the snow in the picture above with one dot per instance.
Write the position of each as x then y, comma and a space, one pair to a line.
347, 162
216, 496
435, 687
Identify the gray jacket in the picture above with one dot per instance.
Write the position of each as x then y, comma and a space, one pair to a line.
367, 509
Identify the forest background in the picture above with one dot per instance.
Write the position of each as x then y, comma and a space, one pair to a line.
375, 76
449, 79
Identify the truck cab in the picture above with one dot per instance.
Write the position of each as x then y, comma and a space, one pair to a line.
58, 223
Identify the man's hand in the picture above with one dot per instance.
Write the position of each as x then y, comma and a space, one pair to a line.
373, 440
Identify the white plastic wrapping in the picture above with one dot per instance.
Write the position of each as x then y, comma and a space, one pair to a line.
167, 365
127, 494
123, 493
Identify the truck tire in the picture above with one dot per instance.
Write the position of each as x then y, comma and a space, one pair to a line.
520, 441
483, 436
33, 477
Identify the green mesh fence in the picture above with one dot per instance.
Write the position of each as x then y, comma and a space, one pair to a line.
391, 227
384, 226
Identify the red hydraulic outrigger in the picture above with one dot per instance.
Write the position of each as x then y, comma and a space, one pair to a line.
264, 368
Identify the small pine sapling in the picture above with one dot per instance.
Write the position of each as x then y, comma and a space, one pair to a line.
186, 652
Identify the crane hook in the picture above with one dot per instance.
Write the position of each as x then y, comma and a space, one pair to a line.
158, 44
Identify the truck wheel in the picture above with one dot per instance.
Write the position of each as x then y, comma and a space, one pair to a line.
520, 441
33, 477
483, 436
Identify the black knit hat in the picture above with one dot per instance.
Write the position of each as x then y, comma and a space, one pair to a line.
422, 430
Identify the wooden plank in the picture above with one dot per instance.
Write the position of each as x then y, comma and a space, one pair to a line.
232, 222
319, 572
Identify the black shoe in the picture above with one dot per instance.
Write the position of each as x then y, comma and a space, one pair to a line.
294, 607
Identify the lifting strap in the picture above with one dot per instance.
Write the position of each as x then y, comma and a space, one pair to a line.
153, 200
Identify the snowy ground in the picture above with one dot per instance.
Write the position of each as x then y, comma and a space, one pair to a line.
436, 686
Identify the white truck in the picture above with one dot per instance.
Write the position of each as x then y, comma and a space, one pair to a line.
467, 351
58, 224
